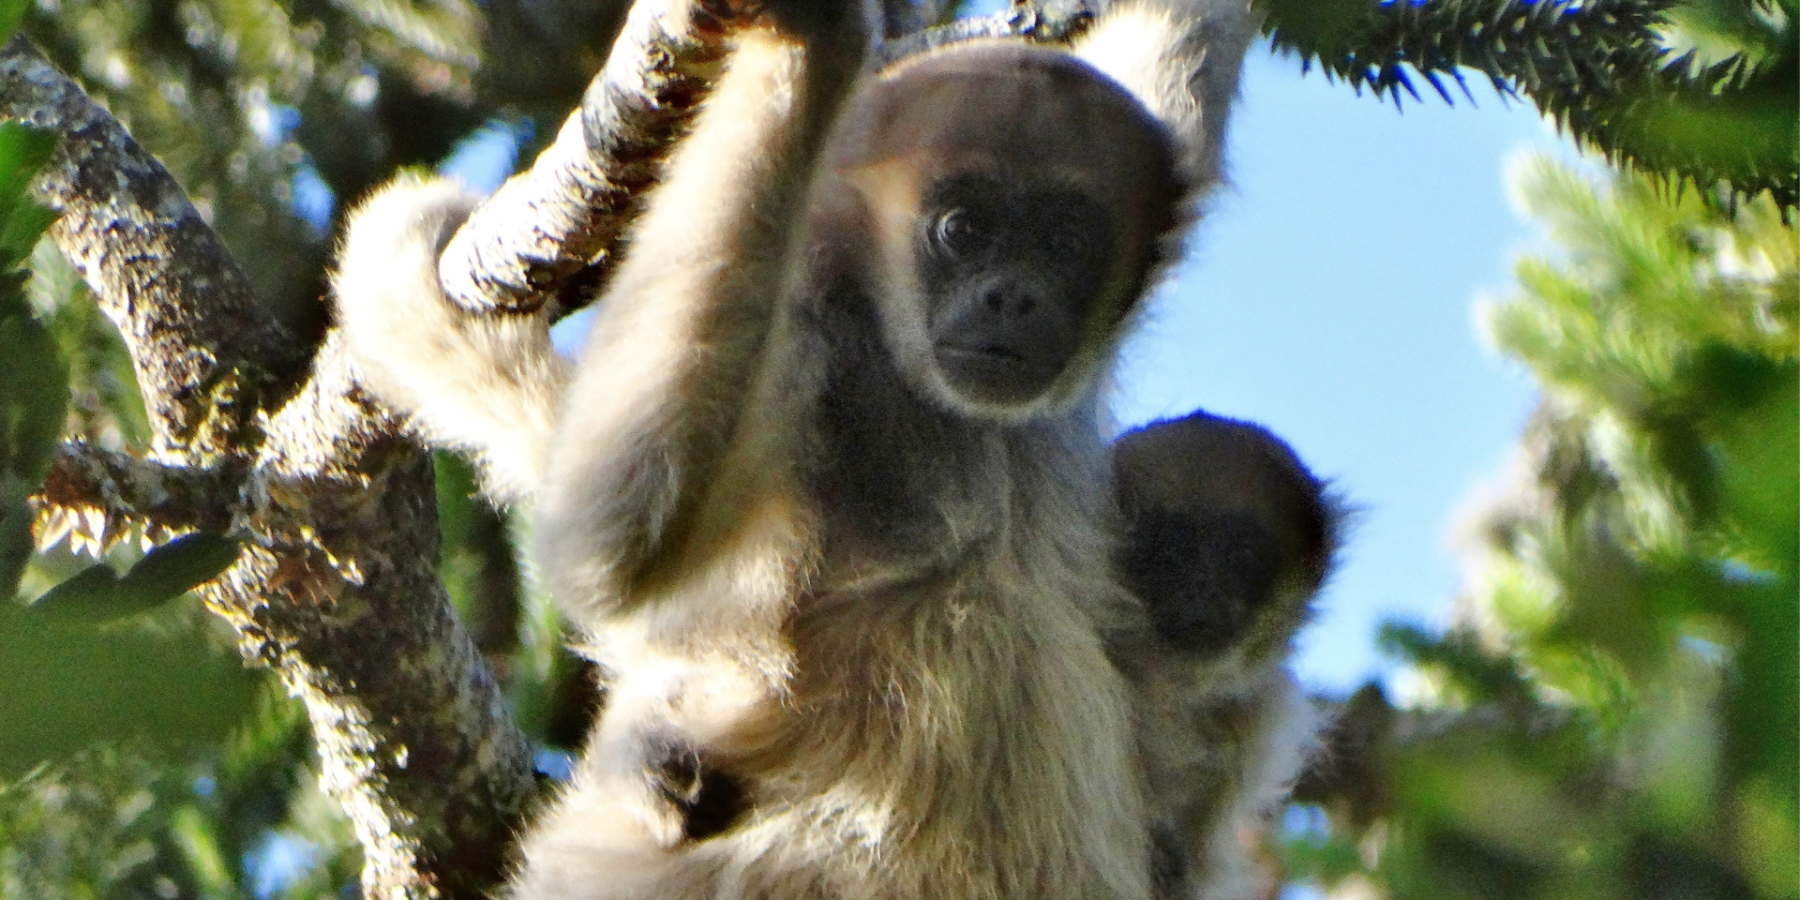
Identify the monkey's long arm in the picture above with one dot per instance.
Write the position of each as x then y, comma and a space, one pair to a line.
676, 352
487, 385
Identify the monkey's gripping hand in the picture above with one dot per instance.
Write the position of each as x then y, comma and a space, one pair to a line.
1182, 59
1227, 538
487, 385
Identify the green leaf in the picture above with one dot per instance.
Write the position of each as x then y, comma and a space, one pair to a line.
33, 380
88, 594
23, 150
65, 685
198, 841
97, 594
1699, 91
11, 12
33, 398
182, 564
15, 546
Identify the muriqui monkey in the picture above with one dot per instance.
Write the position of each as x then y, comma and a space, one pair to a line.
880, 613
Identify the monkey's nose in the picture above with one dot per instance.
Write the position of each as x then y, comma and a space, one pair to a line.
1009, 302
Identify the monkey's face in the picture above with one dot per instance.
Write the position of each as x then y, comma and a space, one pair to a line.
1005, 206
1011, 276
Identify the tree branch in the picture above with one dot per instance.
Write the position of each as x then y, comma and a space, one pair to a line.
337, 587
93, 494
549, 233
159, 272
1599, 68
416, 738
1048, 21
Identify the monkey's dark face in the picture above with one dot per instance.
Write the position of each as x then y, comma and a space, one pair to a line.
1005, 207
1011, 276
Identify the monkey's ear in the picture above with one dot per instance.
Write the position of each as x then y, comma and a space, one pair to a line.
1226, 535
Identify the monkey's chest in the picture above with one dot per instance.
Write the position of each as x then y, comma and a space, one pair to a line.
941, 714
961, 659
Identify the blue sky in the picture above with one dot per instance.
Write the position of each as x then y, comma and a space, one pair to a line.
1328, 295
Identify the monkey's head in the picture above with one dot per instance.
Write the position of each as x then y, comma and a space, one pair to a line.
1008, 205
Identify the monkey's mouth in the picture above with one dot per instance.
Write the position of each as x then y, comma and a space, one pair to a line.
995, 372
981, 353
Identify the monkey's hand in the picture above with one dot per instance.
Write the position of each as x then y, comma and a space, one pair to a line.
1182, 58
487, 385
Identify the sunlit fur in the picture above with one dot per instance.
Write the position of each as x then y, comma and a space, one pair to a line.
919, 715
487, 385
875, 627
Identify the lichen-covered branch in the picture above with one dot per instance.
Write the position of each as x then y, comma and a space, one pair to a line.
415, 737
336, 587
159, 272
1040, 20
93, 495
562, 218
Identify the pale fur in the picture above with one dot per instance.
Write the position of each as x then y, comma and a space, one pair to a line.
906, 733
487, 385
1223, 739
1221, 748
1182, 58
959, 738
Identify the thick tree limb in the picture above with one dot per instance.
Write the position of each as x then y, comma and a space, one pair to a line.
416, 739
92, 495
337, 587
1042, 20
158, 271
564, 216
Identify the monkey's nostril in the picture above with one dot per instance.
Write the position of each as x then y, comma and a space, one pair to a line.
1009, 303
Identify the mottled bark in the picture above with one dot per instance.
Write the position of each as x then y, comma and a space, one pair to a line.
1044, 20
204, 350
93, 495
416, 739
549, 232
336, 588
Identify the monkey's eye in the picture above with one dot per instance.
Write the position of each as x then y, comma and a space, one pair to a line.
956, 233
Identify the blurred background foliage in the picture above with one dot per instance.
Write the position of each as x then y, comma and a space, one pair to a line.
1614, 715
